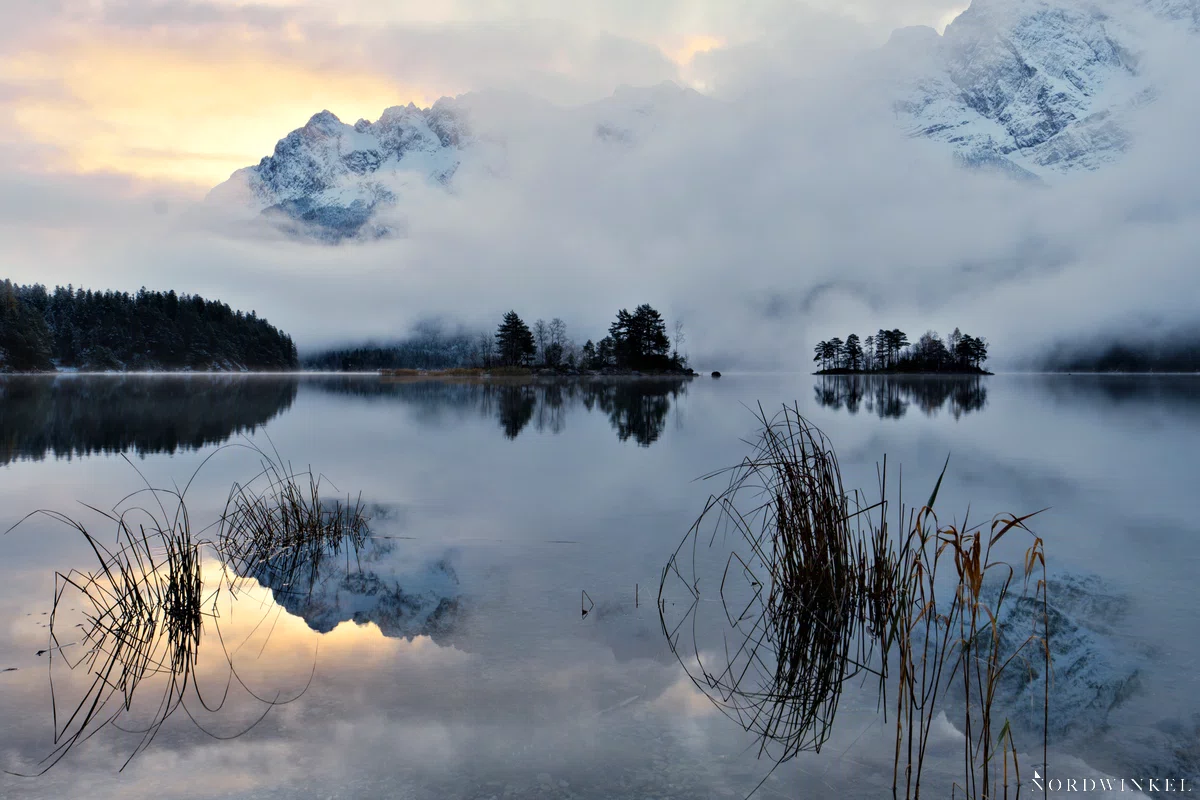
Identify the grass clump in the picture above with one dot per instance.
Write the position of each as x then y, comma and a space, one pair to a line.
144, 608
818, 590
147, 609
278, 525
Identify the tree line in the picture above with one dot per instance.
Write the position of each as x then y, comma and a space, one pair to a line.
76, 328
636, 340
891, 351
428, 346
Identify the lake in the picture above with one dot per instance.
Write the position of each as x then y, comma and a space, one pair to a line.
452, 658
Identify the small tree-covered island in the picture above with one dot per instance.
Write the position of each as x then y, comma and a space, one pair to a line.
889, 351
637, 343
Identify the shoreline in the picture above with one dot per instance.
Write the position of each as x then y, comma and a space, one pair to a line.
447, 374
912, 373
510, 375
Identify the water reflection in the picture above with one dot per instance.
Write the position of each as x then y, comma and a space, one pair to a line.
889, 396
73, 416
636, 408
403, 597
517, 694
1180, 393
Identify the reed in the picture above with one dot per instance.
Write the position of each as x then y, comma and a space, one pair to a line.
833, 594
146, 608
279, 525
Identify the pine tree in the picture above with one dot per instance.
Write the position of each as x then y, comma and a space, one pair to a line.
837, 352
640, 339
606, 353
514, 341
853, 351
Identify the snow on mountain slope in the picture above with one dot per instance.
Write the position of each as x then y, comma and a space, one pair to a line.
328, 179
329, 175
1032, 87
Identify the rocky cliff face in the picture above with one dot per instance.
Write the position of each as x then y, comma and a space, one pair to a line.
328, 177
1033, 87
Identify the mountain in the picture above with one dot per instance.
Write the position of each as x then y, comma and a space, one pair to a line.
1032, 87
329, 179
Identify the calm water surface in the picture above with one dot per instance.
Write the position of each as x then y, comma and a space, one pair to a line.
452, 658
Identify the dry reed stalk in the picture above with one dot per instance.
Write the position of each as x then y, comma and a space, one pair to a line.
834, 595
145, 605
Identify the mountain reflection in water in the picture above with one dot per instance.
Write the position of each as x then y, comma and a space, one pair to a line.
889, 396
404, 596
636, 408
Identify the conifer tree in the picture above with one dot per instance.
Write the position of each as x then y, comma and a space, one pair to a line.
853, 351
514, 341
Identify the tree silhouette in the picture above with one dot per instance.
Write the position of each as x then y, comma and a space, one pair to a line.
819, 354
889, 351
897, 341
514, 341
853, 351
640, 339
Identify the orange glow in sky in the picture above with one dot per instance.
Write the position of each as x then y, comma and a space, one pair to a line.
192, 116
683, 51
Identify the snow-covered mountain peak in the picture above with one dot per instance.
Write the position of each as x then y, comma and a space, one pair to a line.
323, 123
327, 177
1033, 87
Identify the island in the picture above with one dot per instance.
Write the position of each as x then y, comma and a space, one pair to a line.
636, 344
889, 352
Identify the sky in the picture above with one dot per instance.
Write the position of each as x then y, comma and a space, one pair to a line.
189, 91
786, 209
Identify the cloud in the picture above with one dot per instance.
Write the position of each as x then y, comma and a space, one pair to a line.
783, 208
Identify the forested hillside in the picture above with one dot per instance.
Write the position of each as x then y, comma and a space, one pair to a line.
41, 330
